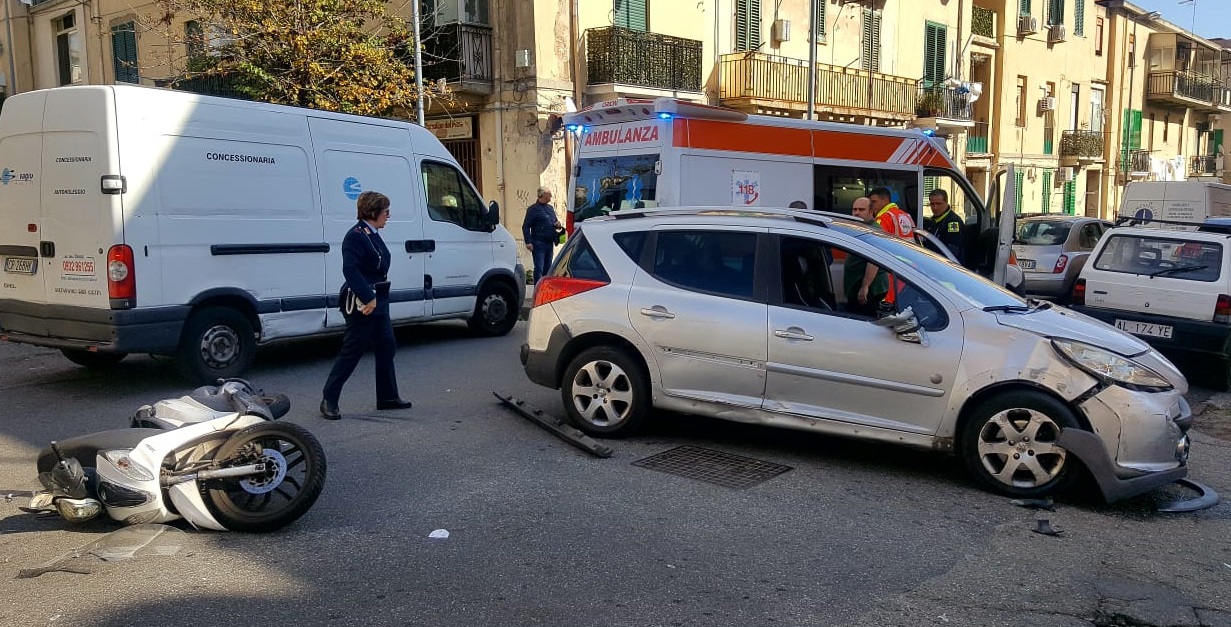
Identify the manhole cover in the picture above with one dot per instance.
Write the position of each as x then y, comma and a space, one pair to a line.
724, 469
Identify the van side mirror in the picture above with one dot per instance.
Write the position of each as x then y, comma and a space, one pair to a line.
905, 325
493, 213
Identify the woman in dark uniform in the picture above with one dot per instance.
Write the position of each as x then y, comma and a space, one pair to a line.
365, 303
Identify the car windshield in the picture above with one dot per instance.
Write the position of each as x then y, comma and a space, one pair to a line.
1042, 232
961, 284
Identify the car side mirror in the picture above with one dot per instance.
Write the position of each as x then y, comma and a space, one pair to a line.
493, 214
905, 325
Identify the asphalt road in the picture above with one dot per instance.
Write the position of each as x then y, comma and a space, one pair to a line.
541, 533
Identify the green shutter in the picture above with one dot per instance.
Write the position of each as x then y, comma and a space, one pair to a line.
1046, 190
870, 41
930, 183
1024, 8
934, 45
1216, 143
747, 24
124, 53
1070, 197
1020, 183
1130, 135
631, 14
820, 20
1079, 18
1055, 11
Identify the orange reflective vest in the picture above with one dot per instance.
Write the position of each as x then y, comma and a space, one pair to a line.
895, 221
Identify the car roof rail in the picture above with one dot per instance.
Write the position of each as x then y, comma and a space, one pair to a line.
819, 218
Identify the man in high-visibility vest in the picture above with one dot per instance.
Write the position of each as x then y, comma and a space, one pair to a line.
864, 283
889, 216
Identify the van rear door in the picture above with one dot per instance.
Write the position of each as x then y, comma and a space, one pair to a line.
21, 154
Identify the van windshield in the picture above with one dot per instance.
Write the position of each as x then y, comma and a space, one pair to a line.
606, 184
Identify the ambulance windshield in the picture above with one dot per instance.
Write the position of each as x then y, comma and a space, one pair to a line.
606, 184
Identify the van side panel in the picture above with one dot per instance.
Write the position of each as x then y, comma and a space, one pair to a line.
745, 180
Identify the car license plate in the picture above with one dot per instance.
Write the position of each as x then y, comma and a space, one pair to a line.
1026, 264
1144, 328
20, 265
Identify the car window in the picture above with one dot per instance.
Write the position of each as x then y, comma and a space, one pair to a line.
450, 198
607, 184
718, 262
1161, 256
1042, 233
632, 243
577, 260
1088, 236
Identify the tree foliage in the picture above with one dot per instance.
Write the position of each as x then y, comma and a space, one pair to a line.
338, 55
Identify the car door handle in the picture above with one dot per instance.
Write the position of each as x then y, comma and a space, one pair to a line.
657, 311
793, 333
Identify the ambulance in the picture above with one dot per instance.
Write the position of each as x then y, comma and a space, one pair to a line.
642, 153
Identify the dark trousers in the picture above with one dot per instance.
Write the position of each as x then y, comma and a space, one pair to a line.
375, 330
542, 258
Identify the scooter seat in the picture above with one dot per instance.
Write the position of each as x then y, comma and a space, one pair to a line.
85, 448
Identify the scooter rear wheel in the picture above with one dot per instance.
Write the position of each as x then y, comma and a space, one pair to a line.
293, 478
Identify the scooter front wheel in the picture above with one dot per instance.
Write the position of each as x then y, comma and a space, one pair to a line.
293, 477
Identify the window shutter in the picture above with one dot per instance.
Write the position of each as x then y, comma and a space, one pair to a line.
1024, 8
870, 42
934, 46
1070, 197
1055, 12
1079, 18
820, 20
631, 14
747, 24
1021, 182
124, 53
1046, 190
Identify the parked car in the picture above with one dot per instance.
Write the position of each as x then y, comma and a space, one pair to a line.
1052, 249
741, 315
1170, 287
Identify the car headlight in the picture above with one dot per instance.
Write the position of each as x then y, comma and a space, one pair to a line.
127, 467
1108, 366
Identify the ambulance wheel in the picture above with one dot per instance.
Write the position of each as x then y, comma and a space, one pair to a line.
495, 312
217, 343
90, 359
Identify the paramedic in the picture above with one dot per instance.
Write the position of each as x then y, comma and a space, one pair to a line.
891, 219
946, 225
864, 284
365, 264
539, 232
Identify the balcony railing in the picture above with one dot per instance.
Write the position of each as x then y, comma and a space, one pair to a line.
939, 101
631, 57
983, 22
1189, 85
1081, 144
1203, 165
223, 86
783, 81
459, 53
1135, 161
978, 139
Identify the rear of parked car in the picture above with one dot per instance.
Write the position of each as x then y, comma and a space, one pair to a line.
1052, 249
1171, 288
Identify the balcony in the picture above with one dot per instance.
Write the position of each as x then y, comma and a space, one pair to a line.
461, 54
623, 56
978, 140
1080, 146
946, 105
1203, 165
1187, 89
758, 82
983, 22
1135, 162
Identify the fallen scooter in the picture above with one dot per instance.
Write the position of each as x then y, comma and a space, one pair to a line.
216, 458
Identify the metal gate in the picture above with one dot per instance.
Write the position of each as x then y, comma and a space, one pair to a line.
466, 151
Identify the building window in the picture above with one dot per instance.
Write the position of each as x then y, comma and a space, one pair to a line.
1098, 36
935, 41
1055, 11
1166, 124
194, 40
747, 24
69, 62
820, 20
1079, 18
631, 14
870, 41
124, 53
438, 12
1024, 8
1021, 101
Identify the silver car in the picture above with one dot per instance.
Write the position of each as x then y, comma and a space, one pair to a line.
1052, 249
760, 317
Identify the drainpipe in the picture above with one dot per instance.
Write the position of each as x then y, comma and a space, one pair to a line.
811, 60
717, 56
8, 24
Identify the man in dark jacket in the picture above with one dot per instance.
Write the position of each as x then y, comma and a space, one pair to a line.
539, 232
946, 225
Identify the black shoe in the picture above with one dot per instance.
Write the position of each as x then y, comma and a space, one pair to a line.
396, 403
330, 411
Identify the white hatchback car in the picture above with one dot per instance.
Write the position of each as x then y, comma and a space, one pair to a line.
743, 315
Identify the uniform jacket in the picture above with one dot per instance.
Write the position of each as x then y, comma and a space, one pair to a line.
540, 223
365, 262
950, 230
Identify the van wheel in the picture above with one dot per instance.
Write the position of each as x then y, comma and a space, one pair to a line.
90, 359
1009, 444
217, 343
495, 313
606, 393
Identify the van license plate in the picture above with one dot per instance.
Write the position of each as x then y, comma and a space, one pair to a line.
1026, 264
20, 265
1145, 328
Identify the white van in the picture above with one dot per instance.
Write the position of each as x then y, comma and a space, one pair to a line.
142, 220
1166, 203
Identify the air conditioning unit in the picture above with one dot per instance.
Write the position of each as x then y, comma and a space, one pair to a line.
1056, 34
1065, 174
1047, 103
781, 30
1027, 25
